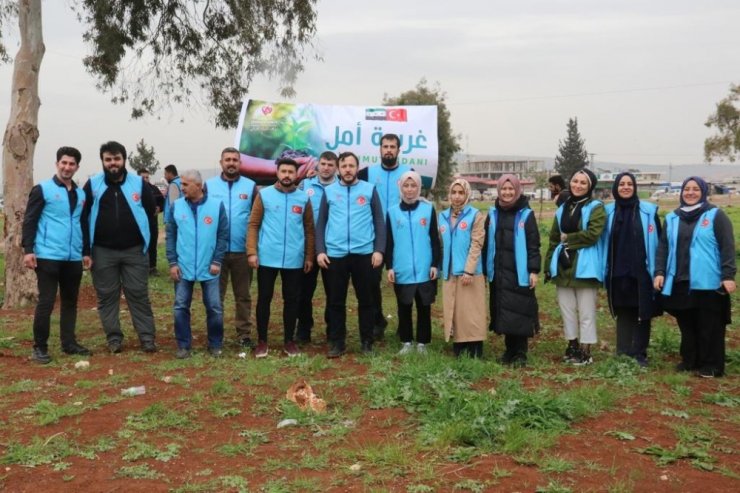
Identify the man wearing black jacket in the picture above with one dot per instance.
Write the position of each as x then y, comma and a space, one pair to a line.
118, 206
153, 222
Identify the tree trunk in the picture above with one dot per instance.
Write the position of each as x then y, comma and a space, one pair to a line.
19, 143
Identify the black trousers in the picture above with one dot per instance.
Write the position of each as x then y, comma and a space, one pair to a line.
379, 320
341, 269
154, 236
291, 282
51, 274
702, 337
633, 335
515, 345
305, 305
423, 321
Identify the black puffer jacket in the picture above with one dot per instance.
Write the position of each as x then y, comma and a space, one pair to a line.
513, 308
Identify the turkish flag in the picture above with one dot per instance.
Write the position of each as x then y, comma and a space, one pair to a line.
396, 115
297, 209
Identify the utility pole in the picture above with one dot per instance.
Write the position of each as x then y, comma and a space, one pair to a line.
592, 154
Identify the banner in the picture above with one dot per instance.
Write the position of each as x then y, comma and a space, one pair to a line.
268, 131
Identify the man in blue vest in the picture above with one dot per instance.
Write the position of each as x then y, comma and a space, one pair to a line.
350, 241
314, 187
237, 194
173, 189
385, 177
280, 241
117, 209
197, 238
52, 243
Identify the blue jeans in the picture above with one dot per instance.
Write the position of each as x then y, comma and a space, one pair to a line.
214, 312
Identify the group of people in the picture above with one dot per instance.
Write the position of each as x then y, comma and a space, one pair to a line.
348, 224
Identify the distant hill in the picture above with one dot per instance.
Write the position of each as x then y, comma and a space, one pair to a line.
676, 172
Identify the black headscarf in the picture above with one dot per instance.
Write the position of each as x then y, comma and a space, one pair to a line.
691, 213
571, 218
624, 237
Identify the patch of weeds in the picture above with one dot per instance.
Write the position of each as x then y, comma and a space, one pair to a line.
234, 483
38, 451
140, 471
86, 384
622, 486
500, 473
104, 444
663, 456
722, 399
470, 485
463, 454
204, 472
220, 388
60, 466
223, 483
664, 339
158, 417
235, 449
675, 413
682, 390
728, 472
314, 461
263, 404
141, 450
67, 478
222, 410
19, 387
277, 486
419, 488
622, 370
49, 413
620, 435
556, 465
553, 487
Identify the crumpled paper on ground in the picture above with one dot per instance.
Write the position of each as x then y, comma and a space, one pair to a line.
302, 394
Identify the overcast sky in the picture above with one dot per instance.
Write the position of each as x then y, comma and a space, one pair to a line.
641, 77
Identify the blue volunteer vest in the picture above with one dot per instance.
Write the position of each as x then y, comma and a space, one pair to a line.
704, 258
456, 242
386, 182
282, 242
590, 263
237, 201
649, 234
131, 188
520, 244
315, 190
196, 237
166, 212
349, 226
412, 250
58, 233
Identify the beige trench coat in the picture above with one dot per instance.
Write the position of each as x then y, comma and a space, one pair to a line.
465, 308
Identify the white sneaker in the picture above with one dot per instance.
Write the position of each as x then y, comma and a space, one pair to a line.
406, 348
421, 348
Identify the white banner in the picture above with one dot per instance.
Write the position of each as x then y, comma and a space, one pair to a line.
268, 131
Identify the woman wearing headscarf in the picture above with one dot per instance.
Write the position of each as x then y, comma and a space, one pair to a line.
631, 239
462, 229
412, 255
695, 271
513, 261
574, 263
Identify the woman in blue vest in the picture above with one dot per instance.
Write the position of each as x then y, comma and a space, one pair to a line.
574, 263
463, 230
412, 255
513, 261
695, 271
630, 241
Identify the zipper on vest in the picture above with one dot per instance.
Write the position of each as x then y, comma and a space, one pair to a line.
285, 229
413, 248
348, 214
195, 257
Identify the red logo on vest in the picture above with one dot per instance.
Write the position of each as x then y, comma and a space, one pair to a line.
310, 192
521, 224
423, 221
463, 225
361, 200
705, 222
208, 220
651, 228
297, 209
136, 197
442, 229
243, 196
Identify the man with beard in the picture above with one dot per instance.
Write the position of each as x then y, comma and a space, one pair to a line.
153, 222
52, 244
237, 194
314, 187
350, 241
385, 177
118, 206
280, 241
